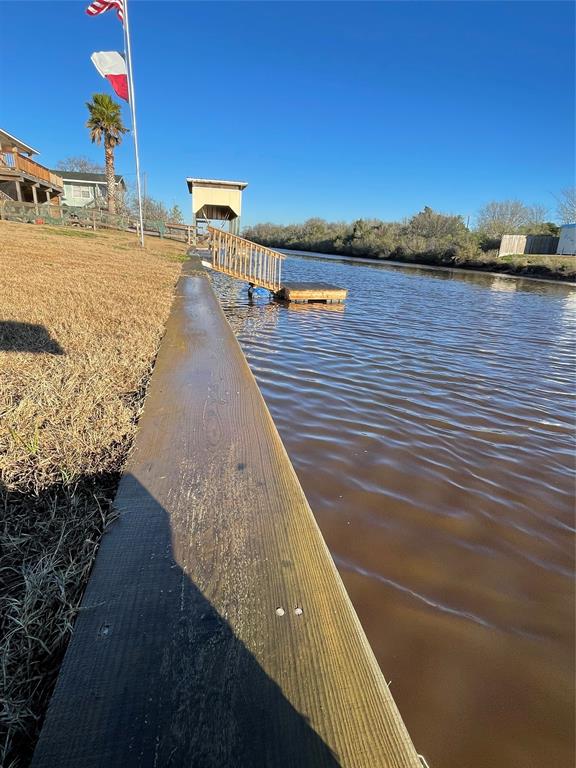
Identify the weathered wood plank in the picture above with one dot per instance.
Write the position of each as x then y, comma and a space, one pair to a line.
311, 292
215, 630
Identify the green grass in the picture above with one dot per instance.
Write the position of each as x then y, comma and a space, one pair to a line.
181, 257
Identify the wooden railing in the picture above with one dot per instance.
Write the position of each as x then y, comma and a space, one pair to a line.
24, 164
7, 159
35, 169
245, 260
56, 180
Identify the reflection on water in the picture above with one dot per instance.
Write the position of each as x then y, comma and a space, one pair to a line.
430, 421
506, 285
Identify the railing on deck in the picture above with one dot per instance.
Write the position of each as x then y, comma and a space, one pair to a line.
245, 260
7, 159
35, 169
18, 162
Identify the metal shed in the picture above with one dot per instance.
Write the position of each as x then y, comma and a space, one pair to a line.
567, 242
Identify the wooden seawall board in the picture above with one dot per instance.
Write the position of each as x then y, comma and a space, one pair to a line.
215, 630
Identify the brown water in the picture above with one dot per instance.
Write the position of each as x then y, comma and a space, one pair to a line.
431, 423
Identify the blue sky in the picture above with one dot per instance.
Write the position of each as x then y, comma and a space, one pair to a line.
330, 109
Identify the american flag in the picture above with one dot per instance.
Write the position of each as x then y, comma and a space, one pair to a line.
99, 6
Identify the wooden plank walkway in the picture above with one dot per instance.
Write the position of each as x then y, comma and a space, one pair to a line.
215, 630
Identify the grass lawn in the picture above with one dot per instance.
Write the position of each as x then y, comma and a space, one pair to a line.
81, 318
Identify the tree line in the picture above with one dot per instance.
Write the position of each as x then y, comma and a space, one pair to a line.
428, 234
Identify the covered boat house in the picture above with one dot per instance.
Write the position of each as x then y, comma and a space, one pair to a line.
216, 200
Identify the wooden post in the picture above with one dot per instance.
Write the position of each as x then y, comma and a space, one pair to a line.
18, 191
94, 220
35, 197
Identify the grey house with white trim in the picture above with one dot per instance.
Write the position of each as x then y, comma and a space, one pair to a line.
83, 189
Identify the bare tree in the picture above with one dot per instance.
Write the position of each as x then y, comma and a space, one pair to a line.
566, 209
536, 215
79, 163
504, 217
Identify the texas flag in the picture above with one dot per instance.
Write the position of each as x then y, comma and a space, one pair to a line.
112, 66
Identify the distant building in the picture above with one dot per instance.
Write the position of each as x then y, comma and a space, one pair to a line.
22, 178
567, 242
83, 189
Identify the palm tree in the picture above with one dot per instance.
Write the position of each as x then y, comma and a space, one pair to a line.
106, 121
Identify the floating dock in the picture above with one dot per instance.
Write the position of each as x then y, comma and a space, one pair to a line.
215, 631
262, 267
302, 293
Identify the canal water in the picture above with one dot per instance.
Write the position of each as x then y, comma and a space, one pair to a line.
430, 420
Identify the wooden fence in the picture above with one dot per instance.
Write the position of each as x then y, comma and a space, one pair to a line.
91, 218
540, 244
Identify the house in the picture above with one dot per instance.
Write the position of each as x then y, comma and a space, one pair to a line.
567, 242
83, 189
22, 178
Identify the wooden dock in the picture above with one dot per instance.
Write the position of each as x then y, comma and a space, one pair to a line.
262, 267
215, 631
311, 292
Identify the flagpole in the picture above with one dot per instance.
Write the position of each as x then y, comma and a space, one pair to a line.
132, 103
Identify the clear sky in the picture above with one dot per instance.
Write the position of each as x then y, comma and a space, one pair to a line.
331, 109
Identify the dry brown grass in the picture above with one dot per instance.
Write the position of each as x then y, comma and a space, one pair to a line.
81, 318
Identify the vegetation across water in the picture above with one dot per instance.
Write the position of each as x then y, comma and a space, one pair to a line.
426, 238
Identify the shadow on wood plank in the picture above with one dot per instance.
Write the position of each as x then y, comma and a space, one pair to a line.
155, 676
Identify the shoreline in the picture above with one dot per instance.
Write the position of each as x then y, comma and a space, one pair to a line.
416, 265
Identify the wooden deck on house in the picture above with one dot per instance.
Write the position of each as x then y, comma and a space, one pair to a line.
29, 178
215, 630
